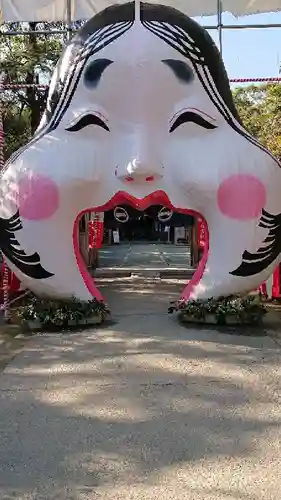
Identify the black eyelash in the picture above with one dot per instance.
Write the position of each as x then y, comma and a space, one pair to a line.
189, 116
28, 264
87, 120
254, 263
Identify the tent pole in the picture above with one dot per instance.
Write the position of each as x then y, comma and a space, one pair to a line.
220, 26
69, 19
137, 10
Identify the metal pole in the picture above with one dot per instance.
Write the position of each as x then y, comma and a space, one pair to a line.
69, 19
137, 10
220, 26
249, 26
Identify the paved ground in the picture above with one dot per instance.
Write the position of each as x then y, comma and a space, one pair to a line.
142, 409
145, 255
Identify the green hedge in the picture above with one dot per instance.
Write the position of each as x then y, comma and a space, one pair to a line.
60, 313
224, 310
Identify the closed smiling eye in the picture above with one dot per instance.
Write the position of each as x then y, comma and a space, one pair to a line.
192, 117
85, 121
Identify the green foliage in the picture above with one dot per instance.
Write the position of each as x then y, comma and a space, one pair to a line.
259, 107
60, 313
17, 128
28, 59
235, 309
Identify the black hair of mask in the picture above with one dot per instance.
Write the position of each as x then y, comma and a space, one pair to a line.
116, 20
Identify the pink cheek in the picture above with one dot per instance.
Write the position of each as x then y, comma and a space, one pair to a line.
38, 197
241, 197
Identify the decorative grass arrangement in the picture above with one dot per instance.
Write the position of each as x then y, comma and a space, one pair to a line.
38, 313
232, 310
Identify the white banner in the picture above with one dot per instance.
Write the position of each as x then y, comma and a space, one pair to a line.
56, 10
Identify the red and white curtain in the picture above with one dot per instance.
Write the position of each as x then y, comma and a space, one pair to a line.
95, 230
271, 287
13, 283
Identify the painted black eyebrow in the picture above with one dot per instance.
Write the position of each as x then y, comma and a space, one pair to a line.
181, 70
94, 72
85, 121
190, 116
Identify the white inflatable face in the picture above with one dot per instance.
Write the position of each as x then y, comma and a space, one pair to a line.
140, 111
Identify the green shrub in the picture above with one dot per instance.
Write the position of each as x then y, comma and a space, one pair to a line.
244, 309
58, 313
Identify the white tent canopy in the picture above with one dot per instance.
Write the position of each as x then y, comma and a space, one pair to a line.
56, 10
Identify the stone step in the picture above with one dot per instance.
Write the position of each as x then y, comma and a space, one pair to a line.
124, 272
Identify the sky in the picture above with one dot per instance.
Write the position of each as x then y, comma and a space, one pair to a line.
249, 53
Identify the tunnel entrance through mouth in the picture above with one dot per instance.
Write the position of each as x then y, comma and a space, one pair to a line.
141, 240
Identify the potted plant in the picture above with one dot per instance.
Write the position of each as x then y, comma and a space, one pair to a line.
51, 314
252, 311
232, 307
73, 318
210, 313
232, 310
96, 312
202, 311
189, 312
221, 314
30, 317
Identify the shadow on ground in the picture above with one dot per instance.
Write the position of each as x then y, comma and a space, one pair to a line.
134, 295
140, 410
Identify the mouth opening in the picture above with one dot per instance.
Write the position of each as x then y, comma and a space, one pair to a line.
199, 241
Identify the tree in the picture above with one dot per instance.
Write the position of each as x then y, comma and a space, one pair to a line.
259, 107
17, 128
28, 59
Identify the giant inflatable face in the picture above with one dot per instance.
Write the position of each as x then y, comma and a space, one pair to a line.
140, 111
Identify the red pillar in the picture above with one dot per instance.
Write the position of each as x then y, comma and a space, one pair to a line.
276, 283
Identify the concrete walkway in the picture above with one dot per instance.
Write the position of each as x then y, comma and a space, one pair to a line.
142, 409
145, 255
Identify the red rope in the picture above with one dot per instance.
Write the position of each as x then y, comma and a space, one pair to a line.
2, 137
13, 86
255, 80
16, 86
5, 267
